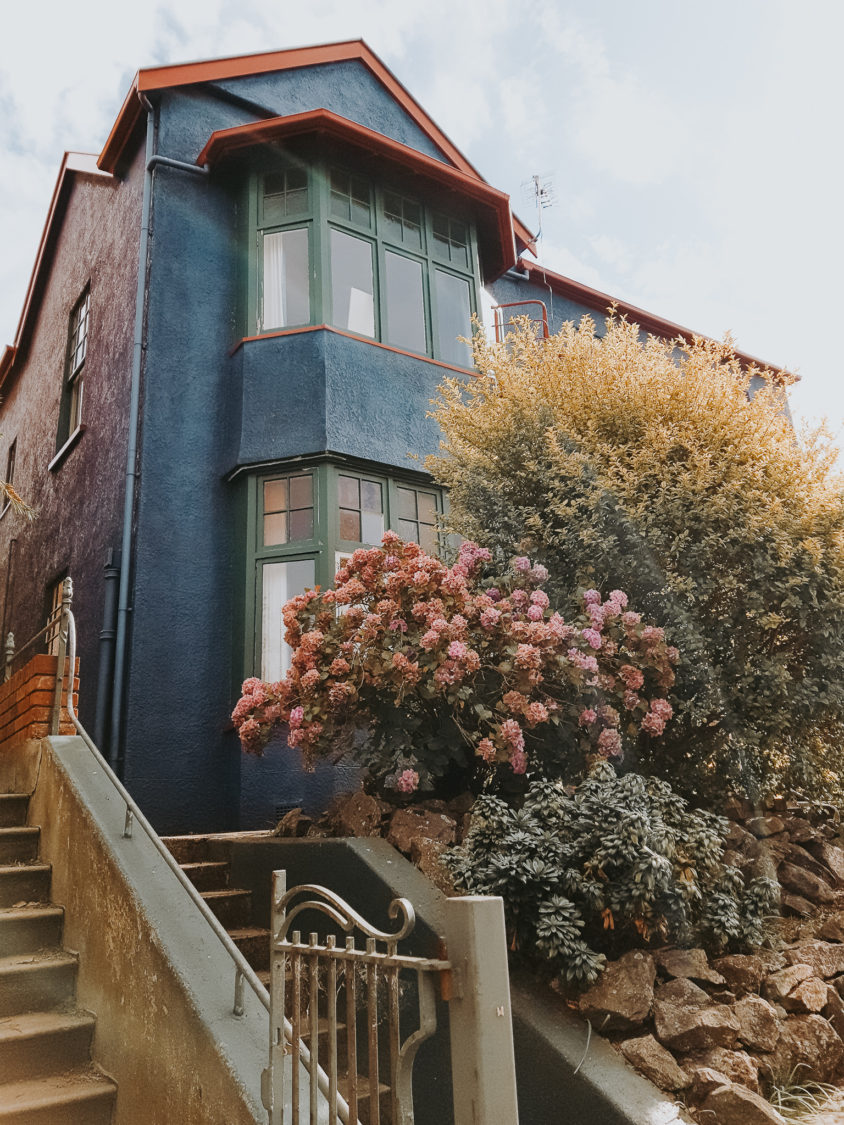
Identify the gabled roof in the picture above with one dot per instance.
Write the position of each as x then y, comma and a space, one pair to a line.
214, 70
72, 162
493, 207
649, 322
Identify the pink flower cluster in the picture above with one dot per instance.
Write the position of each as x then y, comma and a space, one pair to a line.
418, 635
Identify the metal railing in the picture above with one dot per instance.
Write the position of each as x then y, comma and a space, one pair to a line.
244, 974
501, 324
321, 973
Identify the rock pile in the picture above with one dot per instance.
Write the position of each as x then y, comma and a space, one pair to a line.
422, 831
720, 1033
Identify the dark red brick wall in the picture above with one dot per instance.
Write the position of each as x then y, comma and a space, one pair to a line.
26, 699
80, 505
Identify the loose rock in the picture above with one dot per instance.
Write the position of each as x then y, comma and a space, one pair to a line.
736, 1105
735, 1065
809, 996
796, 905
743, 972
764, 826
812, 1046
651, 1059
801, 882
407, 825
624, 994
293, 823
825, 960
357, 814
686, 1020
778, 985
689, 963
830, 856
832, 929
759, 1026
427, 855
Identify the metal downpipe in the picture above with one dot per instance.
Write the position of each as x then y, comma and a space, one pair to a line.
116, 750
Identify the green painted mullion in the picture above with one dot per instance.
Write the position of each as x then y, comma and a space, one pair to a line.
254, 259
251, 630
320, 291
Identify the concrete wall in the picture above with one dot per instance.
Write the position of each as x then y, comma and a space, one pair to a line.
151, 971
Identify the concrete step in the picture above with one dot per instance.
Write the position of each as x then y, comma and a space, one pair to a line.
24, 883
81, 1097
187, 849
207, 875
24, 929
33, 1044
232, 906
36, 982
365, 1115
13, 809
18, 845
254, 944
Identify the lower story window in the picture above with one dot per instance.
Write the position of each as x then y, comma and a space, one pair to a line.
303, 525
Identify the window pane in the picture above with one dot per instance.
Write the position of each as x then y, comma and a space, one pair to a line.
408, 531
405, 303
286, 279
302, 524
370, 492
428, 538
453, 318
280, 581
348, 492
373, 527
351, 284
350, 526
297, 201
407, 503
275, 529
302, 491
427, 507
275, 495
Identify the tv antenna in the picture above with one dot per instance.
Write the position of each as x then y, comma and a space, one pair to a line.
540, 190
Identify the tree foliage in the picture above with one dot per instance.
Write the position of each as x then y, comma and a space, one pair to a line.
620, 862
649, 467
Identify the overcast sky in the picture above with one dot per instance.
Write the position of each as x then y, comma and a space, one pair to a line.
695, 149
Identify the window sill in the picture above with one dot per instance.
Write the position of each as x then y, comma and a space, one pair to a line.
59, 459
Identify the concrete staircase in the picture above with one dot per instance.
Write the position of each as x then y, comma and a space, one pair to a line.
46, 1073
233, 907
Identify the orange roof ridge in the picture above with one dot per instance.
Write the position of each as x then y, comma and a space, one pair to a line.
84, 163
647, 321
238, 66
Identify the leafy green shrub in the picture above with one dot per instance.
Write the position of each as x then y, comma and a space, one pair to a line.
618, 862
615, 462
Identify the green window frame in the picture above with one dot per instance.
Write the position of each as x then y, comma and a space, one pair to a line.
285, 555
73, 382
335, 246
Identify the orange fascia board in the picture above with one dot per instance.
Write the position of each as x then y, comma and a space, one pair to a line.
72, 162
224, 141
648, 322
241, 66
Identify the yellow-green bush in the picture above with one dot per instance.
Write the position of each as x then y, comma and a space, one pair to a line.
618, 463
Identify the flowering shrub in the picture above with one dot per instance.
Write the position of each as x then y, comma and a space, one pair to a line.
423, 670
620, 862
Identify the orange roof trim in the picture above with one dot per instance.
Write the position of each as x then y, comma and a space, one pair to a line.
240, 66
648, 322
72, 162
495, 203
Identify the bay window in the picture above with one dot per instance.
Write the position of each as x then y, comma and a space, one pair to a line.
337, 247
303, 524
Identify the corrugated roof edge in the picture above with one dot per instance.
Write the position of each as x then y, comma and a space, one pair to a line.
647, 321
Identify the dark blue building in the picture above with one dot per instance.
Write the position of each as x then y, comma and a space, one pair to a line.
238, 316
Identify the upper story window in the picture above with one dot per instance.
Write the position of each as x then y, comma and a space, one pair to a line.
10, 473
70, 413
336, 247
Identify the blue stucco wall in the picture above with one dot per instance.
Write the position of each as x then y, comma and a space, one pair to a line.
190, 114
560, 309
205, 411
320, 390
